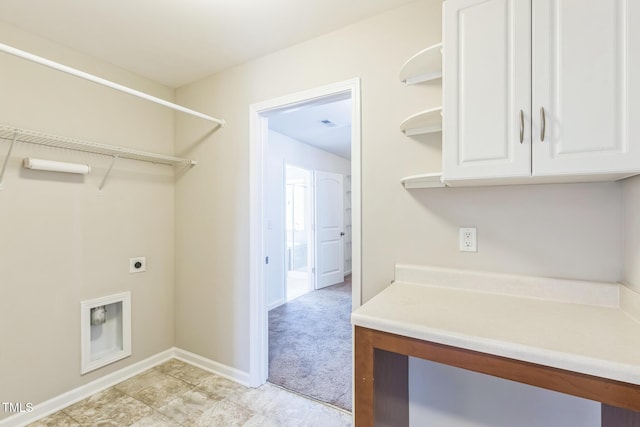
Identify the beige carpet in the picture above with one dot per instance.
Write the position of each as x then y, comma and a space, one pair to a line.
310, 345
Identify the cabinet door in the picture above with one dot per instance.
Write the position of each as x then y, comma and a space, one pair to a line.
585, 55
487, 84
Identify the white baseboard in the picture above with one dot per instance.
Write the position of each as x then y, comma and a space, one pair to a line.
63, 400
212, 366
275, 304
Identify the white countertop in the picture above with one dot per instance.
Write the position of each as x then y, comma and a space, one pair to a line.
600, 340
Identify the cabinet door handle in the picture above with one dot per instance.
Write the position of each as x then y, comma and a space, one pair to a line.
543, 120
521, 126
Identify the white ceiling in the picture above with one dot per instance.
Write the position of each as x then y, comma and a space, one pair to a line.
176, 42
305, 125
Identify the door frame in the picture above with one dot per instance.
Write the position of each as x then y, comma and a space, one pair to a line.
258, 137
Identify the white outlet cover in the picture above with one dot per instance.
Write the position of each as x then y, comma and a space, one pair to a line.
137, 265
468, 242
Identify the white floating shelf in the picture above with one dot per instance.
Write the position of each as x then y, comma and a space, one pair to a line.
423, 66
427, 180
427, 121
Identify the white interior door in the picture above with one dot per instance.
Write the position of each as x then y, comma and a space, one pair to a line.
329, 229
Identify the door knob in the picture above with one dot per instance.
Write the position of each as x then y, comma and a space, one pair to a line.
342, 233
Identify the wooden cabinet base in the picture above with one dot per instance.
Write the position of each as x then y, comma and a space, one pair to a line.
382, 381
618, 417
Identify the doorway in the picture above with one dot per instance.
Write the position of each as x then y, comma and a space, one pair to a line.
259, 114
309, 335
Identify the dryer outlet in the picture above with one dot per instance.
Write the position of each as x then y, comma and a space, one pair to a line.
138, 264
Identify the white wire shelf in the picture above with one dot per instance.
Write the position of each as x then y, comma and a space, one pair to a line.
33, 137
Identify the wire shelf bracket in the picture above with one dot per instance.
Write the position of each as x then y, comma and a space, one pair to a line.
106, 175
6, 159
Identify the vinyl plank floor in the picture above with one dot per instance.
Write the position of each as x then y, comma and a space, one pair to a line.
176, 394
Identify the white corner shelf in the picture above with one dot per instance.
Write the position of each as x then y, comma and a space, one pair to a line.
427, 180
423, 66
427, 121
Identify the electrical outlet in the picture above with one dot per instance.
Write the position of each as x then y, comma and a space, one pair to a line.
138, 264
468, 242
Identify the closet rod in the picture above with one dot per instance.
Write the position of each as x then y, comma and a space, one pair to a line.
99, 80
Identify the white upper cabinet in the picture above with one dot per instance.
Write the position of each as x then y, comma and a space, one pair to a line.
540, 90
581, 71
487, 67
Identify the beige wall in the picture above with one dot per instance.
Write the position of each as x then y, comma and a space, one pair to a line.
572, 230
632, 232
63, 241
